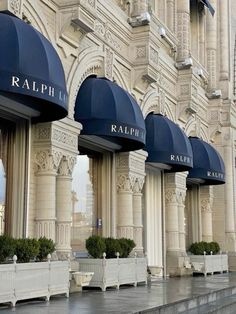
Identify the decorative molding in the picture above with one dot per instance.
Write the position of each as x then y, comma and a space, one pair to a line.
103, 30
138, 185
170, 196
63, 137
47, 160
12, 6
125, 183
109, 57
67, 165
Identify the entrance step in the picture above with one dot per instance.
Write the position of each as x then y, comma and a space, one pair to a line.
220, 301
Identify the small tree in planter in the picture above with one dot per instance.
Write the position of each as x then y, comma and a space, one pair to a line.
205, 258
7, 248
116, 269
46, 246
26, 250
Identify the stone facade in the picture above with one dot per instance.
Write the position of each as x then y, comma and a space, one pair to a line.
175, 59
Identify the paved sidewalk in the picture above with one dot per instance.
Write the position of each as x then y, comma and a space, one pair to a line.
128, 299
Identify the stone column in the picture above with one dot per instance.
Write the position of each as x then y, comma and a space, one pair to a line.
137, 213
183, 29
230, 240
211, 42
125, 225
47, 163
139, 7
171, 15
130, 170
172, 220
175, 192
224, 40
206, 201
64, 206
181, 207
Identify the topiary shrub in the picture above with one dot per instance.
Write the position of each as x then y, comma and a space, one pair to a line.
126, 246
214, 247
198, 248
46, 246
95, 246
7, 247
26, 250
112, 247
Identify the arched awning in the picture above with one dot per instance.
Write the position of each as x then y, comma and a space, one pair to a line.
107, 111
208, 165
32, 78
167, 144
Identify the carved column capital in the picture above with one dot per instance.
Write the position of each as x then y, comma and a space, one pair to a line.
47, 160
12, 6
170, 196
138, 185
125, 183
67, 165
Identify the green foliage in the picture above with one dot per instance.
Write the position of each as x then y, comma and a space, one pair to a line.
26, 250
126, 246
95, 246
7, 247
46, 246
112, 247
198, 248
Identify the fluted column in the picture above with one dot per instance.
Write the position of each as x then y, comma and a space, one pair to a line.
183, 29
211, 30
181, 207
130, 173
125, 225
137, 213
230, 240
138, 7
172, 220
47, 163
224, 40
64, 206
206, 201
171, 15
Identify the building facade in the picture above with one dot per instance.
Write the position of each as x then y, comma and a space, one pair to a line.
67, 179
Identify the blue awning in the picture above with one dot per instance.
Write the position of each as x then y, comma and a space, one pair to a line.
208, 165
167, 144
209, 6
108, 111
31, 71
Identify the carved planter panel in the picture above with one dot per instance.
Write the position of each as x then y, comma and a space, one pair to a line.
32, 280
209, 264
115, 271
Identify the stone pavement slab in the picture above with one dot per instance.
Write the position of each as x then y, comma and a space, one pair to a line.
130, 299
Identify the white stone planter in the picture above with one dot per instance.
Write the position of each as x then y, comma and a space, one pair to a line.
209, 264
32, 280
115, 271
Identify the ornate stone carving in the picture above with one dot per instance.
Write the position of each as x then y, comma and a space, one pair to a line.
138, 185
206, 206
15, 6
67, 165
47, 160
42, 132
141, 52
154, 55
170, 196
64, 138
109, 56
125, 183
104, 31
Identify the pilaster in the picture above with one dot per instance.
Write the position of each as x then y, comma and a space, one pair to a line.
183, 29
206, 201
175, 192
130, 178
55, 146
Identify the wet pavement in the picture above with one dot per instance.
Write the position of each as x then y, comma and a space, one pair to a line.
128, 299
